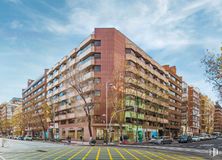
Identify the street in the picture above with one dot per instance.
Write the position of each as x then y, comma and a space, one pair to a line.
26, 150
216, 143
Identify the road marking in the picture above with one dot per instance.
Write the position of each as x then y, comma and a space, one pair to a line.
167, 155
150, 153
69, 151
181, 156
52, 154
110, 156
120, 153
2, 158
87, 154
131, 154
199, 158
143, 155
74, 155
27, 157
98, 153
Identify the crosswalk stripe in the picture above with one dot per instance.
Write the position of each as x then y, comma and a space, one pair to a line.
49, 155
98, 154
150, 153
87, 154
41, 154
182, 157
131, 154
110, 156
74, 155
143, 155
121, 155
198, 158
69, 151
167, 155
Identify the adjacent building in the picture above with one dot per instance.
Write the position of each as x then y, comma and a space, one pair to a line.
6, 112
33, 97
175, 101
206, 115
218, 118
194, 109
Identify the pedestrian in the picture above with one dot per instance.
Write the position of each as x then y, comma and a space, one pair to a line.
69, 140
81, 139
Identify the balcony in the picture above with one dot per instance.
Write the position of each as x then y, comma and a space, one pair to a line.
85, 53
70, 115
86, 64
131, 114
138, 61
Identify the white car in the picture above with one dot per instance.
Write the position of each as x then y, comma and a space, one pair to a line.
195, 139
28, 138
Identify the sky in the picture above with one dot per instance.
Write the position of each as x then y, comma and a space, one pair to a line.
35, 34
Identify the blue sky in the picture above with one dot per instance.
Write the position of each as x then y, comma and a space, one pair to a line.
35, 34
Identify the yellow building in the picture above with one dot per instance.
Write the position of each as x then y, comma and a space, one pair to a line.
207, 110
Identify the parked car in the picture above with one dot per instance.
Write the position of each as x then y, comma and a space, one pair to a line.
28, 138
152, 140
163, 140
195, 139
15, 137
184, 139
10, 137
20, 138
202, 138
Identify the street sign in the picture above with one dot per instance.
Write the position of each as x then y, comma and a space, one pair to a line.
52, 125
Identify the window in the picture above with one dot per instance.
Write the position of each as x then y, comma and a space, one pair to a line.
97, 68
63, 122
97, 92
97, 55
97, 43
97, 80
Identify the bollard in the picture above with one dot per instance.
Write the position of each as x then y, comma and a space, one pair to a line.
213, 152
3, 142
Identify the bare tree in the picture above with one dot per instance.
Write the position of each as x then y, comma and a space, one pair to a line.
212, 63
117, 98
28, 119
80, 86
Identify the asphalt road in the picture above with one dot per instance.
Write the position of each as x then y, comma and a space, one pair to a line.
24, 150
216, 143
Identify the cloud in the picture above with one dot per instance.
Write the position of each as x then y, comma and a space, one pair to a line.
14, 1
173, 32
15, 24
152, 24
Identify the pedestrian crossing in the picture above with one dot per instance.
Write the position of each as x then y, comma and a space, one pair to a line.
98, 153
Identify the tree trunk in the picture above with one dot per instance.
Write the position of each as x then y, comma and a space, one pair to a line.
121, 131
89, 125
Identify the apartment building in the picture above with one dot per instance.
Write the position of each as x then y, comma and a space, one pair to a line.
33, 97
184, 110
6, 112
207, 110
218, 118
175, 101
17, 121
194, 109
95, 62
